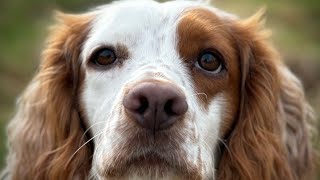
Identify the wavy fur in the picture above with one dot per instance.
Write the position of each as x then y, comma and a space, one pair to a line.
46, 129
270, 140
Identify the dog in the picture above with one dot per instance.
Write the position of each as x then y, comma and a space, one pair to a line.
149, 90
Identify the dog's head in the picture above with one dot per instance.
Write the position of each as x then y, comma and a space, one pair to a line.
168, 90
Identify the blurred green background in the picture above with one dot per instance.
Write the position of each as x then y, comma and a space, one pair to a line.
23, 28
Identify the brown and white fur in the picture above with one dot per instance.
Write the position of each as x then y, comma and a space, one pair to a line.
248, 121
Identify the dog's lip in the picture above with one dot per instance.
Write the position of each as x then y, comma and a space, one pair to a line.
152, 164
142, 163
147, 160
143, 155
144, 152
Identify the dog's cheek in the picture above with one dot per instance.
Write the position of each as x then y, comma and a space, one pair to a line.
94, 101
214, 116
209, 123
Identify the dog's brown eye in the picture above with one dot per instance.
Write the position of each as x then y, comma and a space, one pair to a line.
104, 57
210, 62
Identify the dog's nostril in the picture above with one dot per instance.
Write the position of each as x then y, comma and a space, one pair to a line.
143, 105
168, 108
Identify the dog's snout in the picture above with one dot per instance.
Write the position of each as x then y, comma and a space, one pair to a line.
155, 105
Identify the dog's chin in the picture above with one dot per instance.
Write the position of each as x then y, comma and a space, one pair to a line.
152, 166
144, 169
156, 162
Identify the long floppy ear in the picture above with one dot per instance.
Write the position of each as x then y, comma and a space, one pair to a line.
257, 146
297, 123
47, 129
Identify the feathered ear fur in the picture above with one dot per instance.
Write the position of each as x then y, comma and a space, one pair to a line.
262, 144
296, 123
46, 129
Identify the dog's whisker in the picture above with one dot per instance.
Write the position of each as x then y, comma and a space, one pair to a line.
222, 141
100, 133
94, 174
86, 131
224, 144
203, 94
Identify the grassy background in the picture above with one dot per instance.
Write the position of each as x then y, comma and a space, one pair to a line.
23, 27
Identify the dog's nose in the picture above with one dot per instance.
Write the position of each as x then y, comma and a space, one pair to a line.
155, 105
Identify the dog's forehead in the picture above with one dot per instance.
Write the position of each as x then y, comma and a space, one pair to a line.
138, 23
141, 12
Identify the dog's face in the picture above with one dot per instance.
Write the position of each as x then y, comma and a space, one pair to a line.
144, 90
161, 88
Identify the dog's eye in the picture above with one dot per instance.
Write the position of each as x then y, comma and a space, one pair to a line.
104, 57
211, 62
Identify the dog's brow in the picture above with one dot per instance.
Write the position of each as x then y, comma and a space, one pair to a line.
122, 51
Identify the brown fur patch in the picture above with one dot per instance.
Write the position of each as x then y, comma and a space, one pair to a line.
255, 88
48, 111
200, 30
256, 148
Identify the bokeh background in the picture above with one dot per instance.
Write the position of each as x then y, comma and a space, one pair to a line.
23, 28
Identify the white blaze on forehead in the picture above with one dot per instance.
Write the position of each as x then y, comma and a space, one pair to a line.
139, 25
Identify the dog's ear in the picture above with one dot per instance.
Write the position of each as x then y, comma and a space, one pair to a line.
46, 130
297, 122
255, 147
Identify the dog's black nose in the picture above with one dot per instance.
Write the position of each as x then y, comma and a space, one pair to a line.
155, 105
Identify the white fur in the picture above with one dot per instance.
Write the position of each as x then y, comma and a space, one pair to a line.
148, 30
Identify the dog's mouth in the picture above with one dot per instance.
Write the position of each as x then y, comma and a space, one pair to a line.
154, 166
144, 156
150, 163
